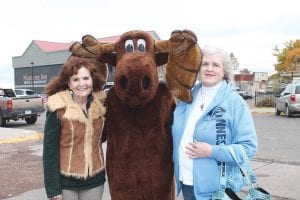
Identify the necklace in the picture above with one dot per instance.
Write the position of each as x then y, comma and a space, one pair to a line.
202, 101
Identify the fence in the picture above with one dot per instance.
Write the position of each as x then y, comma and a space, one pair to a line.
264, 99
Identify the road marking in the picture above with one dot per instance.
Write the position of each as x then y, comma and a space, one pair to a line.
34, 136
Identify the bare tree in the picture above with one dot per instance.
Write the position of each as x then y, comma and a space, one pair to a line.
245, 71
234, 61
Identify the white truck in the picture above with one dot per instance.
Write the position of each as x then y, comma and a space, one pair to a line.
23, 92
27, 108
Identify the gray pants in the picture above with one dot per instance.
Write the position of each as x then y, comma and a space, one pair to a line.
90, 194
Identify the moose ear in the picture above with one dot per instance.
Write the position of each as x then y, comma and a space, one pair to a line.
161, 58
107, 53
110, 58
102, 71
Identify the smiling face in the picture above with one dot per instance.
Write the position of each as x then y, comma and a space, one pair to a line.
212, 70
81, 83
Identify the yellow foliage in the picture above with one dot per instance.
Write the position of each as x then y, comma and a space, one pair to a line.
292, 59
289, 57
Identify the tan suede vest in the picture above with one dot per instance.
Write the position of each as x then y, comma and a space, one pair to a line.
81, 154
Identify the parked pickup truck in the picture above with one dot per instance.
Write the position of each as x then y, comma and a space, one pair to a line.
27, 108
24, 92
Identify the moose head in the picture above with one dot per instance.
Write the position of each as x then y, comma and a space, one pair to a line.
136, 56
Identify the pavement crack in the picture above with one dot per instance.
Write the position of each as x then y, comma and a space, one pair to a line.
270, 161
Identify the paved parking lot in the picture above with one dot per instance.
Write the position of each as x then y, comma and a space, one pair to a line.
277, 164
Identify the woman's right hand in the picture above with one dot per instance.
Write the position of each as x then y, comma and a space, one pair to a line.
199, 150
57, 197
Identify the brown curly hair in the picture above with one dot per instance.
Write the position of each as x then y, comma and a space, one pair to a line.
71, 67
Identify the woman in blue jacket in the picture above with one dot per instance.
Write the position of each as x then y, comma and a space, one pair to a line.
203, 130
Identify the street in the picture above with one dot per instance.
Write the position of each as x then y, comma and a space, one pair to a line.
21, 124
278, 136
21, 165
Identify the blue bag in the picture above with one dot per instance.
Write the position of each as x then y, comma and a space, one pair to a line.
254, 193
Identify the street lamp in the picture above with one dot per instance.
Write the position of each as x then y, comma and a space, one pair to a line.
32, 84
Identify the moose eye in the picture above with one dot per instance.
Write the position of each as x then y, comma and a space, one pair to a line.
129, 46
141, 45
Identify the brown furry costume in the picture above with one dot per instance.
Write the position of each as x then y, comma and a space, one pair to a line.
139, 109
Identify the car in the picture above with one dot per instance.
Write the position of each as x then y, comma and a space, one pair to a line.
29, 93
246, 95
23, 92
288, 101
27, 107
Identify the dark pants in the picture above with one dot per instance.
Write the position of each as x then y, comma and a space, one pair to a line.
188, 192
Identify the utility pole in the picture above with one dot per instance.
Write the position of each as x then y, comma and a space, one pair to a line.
32, 83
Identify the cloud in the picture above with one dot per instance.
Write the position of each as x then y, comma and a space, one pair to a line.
249, 29
6, 77
285, 25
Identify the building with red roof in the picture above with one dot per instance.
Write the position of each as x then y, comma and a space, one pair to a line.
42, 60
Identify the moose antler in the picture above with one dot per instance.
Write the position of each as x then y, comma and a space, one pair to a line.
183, 64
90, 48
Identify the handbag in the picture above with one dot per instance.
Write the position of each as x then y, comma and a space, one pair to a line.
254, 193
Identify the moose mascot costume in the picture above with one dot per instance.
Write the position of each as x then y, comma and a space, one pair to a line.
140, 108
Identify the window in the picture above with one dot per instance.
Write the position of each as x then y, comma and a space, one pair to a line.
9, 93
287, 90
18, 92
297, 89
29, 92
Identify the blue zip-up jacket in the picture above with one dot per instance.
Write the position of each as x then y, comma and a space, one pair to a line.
226, 121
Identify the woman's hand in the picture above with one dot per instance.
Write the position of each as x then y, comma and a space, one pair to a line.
198, 150
57, 197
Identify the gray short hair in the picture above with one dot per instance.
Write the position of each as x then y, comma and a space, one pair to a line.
225, 57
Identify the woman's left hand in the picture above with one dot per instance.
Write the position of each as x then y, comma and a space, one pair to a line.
198, 150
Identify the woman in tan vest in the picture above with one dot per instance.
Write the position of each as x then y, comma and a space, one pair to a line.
73, 157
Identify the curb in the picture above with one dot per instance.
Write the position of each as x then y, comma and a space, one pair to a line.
262, 113
34, 136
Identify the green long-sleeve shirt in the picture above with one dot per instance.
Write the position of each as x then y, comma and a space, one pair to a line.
53, 179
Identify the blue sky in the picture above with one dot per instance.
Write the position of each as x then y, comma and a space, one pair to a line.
249, 29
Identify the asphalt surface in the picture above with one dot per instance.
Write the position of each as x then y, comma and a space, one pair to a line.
281, 179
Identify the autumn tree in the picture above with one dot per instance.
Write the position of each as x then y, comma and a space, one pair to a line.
288, 58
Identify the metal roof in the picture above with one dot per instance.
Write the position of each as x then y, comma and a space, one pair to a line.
47, 46
51, 46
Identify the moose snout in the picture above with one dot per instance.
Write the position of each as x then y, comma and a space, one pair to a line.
136, 80
141, 84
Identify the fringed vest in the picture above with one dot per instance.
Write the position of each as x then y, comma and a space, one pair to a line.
81, 154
